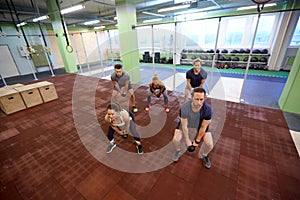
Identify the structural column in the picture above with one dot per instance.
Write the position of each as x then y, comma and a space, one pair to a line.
66, 52
126, 13
290, 96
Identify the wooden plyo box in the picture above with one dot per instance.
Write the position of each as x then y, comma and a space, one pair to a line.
47, 90
9, 87
11, 101
30, 94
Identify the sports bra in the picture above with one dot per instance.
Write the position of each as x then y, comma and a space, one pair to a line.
122, 123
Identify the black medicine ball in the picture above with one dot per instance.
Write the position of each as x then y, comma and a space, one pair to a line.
224, 51
256, 51
254, 59
264, 51
242, 51
236, 59
263, 59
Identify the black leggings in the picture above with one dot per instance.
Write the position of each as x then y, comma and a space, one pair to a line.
132, 129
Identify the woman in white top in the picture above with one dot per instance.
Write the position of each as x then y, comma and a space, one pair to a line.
120, 121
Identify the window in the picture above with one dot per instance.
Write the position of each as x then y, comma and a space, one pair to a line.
164, 36
264, 31
234, 32
296, 36
210, 28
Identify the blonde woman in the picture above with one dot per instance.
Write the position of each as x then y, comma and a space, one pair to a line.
157, 88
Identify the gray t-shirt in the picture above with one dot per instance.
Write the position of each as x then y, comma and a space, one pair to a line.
195, 118
121, 80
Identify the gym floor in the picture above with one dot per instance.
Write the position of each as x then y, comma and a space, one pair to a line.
44, 155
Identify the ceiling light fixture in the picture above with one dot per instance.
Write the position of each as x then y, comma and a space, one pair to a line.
152, 20
72, 9
174, 8
91, 22
254, 7
182, 1
21, 24
40, 18
153, 14
99, 27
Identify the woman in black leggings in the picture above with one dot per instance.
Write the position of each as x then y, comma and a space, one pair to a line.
121, 121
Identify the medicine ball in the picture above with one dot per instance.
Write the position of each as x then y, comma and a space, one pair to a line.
183, 56
228, 59
203, 57
217, 51
264, 51
224, 51
184, 50
236, 59
256, 51
246, 59
242, 51
210, 51
193, 57
233, 51
254, 59
247, 50
221, 58
263, 59
189, 50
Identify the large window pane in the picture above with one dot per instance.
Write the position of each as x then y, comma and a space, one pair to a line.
296, 37
264, 31
235, 31
210, 28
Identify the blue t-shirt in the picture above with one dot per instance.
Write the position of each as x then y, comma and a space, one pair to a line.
196, 79
195, 118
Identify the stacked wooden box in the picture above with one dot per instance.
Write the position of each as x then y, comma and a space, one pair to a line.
18, 97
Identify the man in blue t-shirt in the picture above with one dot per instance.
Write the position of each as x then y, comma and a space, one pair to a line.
194, 114
122, 85
194, 78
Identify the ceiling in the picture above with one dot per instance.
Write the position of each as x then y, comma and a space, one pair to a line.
105, 11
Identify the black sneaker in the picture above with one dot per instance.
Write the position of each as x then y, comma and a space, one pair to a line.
140, 149
206, 162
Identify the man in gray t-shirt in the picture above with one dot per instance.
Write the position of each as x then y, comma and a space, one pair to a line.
122, 85
194, 114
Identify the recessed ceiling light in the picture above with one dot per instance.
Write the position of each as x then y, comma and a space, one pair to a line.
253, 7
72, 9
152, 20
174, 8
40, 18
91, 22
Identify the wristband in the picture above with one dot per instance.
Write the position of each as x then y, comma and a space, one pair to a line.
197, 142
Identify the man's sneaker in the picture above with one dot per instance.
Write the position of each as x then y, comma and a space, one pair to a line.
140, 149
206, 162
167, 109
176, 156
134, 109
110, 147
148, 108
